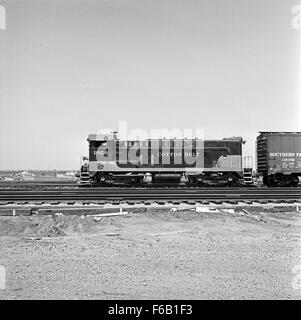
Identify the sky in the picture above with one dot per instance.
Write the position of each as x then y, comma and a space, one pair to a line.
70, 68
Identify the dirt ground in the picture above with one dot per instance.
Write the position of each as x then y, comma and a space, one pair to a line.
152, 254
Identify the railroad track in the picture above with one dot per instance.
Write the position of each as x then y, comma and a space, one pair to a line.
157, 194
37, 184
71, 186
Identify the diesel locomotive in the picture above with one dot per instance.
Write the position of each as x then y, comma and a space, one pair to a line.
150, 161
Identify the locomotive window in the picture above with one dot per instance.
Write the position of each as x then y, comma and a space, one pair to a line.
97, 144
234, 147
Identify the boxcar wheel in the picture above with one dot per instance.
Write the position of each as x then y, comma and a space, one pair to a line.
271, 182
294, 182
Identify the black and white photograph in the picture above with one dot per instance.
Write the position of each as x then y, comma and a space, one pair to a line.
150, 150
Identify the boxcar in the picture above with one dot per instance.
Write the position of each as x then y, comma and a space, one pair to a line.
279, 158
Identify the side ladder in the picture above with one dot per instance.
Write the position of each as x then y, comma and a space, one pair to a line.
248, 179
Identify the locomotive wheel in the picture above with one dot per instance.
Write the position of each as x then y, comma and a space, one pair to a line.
101, 180
231, 179
193, 179
133, 181
137, 181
